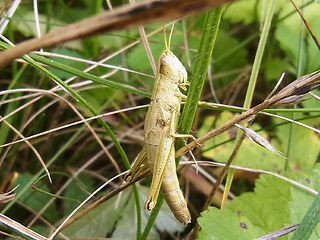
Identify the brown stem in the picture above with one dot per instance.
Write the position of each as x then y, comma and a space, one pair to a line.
123, 17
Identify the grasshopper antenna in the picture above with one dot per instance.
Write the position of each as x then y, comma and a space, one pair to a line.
167, 44
165, 37
171, 31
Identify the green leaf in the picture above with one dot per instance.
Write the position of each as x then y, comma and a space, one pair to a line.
274, 67
34, 199
314, 104
309, 222
27, 25
242, 11
102, 96
250, 215
67, 52
116, 216
304, 150
75, 190
138, 60
250, 11
274, 204
302, 200
219, 225
288, 35
225, 43
100, 221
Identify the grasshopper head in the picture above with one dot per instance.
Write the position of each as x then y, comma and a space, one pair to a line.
172, 68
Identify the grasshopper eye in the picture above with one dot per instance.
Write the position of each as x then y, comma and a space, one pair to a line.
164, 61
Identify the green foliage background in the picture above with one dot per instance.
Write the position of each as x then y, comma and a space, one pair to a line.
258, 209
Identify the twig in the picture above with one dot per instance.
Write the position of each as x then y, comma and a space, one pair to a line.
123, 17
278, 233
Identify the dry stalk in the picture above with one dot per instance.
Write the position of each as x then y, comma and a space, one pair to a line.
123, 17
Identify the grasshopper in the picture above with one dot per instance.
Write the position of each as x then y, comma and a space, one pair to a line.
159, 135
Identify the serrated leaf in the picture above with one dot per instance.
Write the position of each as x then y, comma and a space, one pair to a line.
252, 214
267, 207
220, 225
274, 204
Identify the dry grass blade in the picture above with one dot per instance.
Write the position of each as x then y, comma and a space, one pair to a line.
123, 17
105, 198
83, 202
31, 147
20, 228
7, 197
306, 24
52, 130
303, 82
258, 139
70, 125
315, 96
295, 183
279, 233
4, 21
298, 96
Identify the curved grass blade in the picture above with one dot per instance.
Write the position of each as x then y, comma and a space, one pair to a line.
309, 221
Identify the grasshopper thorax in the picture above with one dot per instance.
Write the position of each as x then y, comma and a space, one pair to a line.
171, 67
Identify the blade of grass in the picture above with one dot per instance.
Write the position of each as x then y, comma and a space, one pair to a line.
4, 129
38, 175
152, 217
301, 70
251, 86
309, 221
200, 69
312, 217
104, 125
77, 96
83, 101
137, 200
77, 72
96, 79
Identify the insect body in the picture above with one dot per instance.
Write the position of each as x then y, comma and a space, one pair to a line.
159, 134
160, 126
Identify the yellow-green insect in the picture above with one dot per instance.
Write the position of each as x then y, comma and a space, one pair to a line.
160, 133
